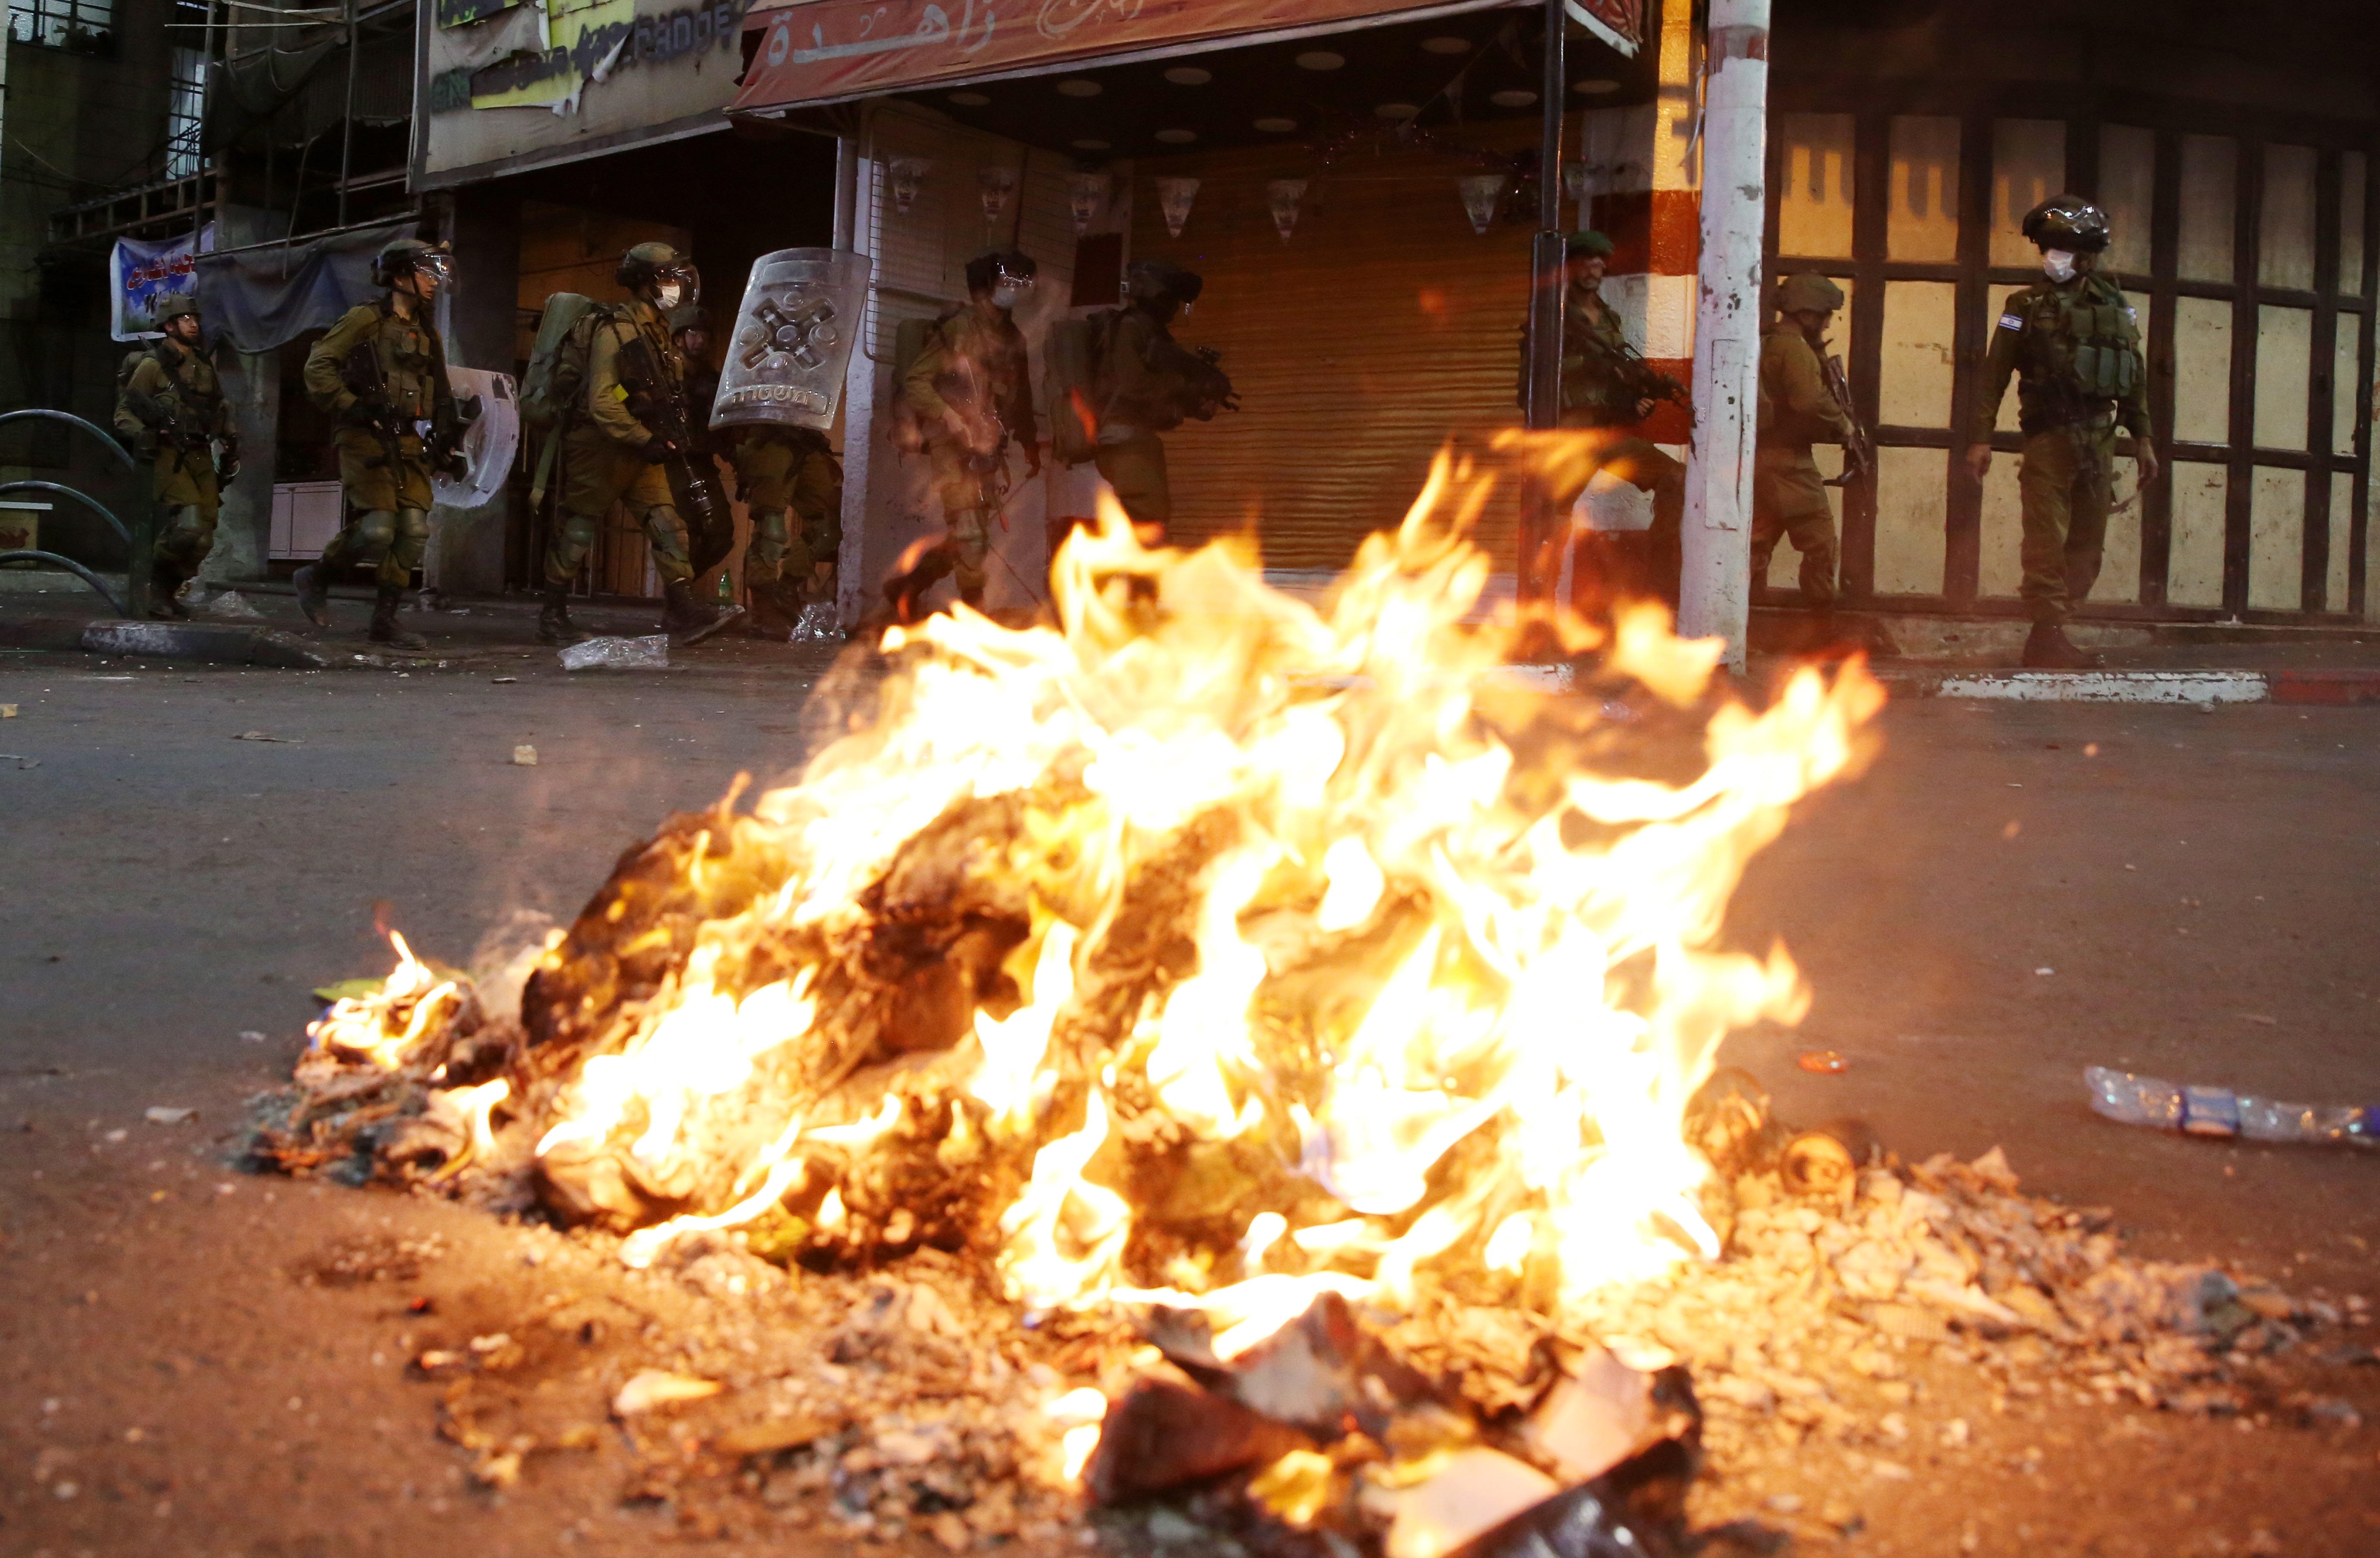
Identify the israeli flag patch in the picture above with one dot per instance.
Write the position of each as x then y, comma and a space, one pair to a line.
2011, 322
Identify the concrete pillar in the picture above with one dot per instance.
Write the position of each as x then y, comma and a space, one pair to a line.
244, 524
477, 317
1715, 587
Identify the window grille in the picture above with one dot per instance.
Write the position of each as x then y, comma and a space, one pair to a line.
62, 24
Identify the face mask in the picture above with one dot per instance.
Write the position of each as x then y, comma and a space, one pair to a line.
2057, 264
1005, 297
667, 294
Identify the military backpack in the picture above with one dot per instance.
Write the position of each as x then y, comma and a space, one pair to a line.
555, 384
556, 381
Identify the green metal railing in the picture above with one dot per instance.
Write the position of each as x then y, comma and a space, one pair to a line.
139, 535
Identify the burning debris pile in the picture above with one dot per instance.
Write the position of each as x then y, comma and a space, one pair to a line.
1270, 1051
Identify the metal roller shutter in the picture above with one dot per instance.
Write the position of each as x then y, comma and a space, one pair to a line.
1383, 329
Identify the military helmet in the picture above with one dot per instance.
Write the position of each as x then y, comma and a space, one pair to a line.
174, 306
988, 270
651, 264
1808, 292
2067, 222
687, 316
1152, 279
402, 257
1586, 245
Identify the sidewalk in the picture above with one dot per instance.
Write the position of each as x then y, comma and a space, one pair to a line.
265, 628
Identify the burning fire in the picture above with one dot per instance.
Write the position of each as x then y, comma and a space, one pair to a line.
1280, 949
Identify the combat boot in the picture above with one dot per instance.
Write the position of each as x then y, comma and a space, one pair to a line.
2048, 648
768, 618
165, 595
313, 582
905, 592
383, 630
554, 623
688, 620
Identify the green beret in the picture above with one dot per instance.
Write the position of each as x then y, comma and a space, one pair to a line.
1587, 243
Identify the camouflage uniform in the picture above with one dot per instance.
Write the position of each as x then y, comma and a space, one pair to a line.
172, 408
1617, 562
780, 469
2068, 478
1789, 496
1145, 393
631, 362
971, 384
384, 479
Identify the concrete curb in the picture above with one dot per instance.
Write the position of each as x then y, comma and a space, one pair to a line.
2198, 688
214, 643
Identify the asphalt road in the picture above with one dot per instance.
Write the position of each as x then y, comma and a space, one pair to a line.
2010, 893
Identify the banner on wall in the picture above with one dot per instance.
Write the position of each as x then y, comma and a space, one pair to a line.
826, 51
144, 272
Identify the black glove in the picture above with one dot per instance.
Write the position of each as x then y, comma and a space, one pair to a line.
226, 467
658, 448
364, 415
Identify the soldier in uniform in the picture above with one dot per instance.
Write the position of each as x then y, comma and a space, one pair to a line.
171, 407
1145, 381
1797, 407
2074, 342
709, 538
970, 392
624, 444
382, 372
1606, 384
792, 485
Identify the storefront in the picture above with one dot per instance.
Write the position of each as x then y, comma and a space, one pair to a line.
2236, 168
552, 139
1358, 190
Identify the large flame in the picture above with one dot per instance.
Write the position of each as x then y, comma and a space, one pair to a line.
1524, 989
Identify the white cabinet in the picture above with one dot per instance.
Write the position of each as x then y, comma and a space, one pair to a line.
305, 518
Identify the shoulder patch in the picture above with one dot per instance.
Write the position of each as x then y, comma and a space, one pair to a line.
2011, 322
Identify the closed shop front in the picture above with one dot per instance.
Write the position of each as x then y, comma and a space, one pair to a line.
1366, 315
2243, 235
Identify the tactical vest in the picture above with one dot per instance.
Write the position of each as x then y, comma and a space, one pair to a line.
410, 359
191, 382
2084, 343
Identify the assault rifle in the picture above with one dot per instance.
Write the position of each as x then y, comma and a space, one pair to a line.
1634, 379
1859, 449
362, 375
446, 443
1206, 389
660, 406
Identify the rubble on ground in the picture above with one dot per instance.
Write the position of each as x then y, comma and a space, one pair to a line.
764, 1387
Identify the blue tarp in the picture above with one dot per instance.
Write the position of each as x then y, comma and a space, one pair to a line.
268, 296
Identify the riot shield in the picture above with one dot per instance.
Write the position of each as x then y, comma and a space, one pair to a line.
785, 361
489, 443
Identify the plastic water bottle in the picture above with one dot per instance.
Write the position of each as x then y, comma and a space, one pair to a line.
2152, 1101
2135, 1101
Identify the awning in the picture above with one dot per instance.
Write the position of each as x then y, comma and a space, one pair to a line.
813, 51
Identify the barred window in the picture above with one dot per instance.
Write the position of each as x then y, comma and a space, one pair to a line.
62, 24
185, 108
